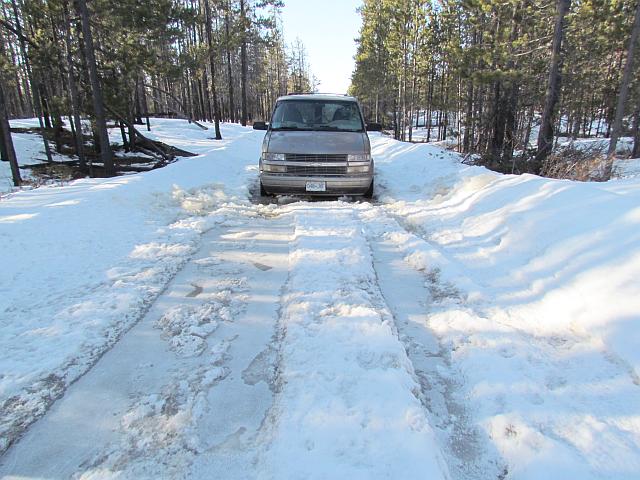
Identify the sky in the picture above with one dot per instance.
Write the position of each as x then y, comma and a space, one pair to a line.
328, 29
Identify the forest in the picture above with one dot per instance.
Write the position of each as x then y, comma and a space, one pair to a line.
499, 81
502, 80
91, 64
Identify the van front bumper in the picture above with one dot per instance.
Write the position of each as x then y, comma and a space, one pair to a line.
286, 184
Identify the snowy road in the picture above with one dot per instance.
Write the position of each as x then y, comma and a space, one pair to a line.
271, 351
458, 328
150, 403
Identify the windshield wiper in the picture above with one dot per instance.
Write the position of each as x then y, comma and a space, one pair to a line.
329, 128
290, 128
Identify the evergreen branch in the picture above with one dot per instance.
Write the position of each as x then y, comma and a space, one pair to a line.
12, 29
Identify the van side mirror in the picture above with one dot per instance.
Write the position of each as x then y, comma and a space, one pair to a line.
374, 127
260, 125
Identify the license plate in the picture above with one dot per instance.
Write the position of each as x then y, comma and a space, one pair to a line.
316, 186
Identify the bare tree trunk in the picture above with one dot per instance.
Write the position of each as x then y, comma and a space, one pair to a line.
32, 82
497, 139
466, 141
414, 79
511, 95
545, 136
232, 113
616, 131
201, 108
106, 154
573, 129
511, 124
403, 87
21, 101
243, 61
73, 89
636, 132
131, 118
430, 102
206, 96
398, 116
7, 143
444, 110
212, 62
137, 103
145, 105
396, 121
377, 106
123, 134
527, 132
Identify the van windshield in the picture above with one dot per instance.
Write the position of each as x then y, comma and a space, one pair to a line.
319, 115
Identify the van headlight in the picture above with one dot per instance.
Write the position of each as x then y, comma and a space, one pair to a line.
273, 157
360, 163
366, 157
358, 169
269, 167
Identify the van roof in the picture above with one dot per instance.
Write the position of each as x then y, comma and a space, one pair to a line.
317, 96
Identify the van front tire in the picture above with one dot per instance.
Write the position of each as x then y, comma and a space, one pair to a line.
369, 192
263, 192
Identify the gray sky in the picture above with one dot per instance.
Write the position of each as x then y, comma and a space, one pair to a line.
327, 29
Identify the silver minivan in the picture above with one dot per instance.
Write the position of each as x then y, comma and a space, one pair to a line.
316, 144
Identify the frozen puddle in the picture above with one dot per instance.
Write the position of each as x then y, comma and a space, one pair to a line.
347, 401
188, 387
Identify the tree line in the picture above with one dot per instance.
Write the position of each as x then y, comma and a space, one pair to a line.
504, 78
88, 62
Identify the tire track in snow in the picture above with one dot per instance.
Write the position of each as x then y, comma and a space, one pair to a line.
347, 404
232, 432
185, 383
538, 396
113, 307
407, 298
147, 282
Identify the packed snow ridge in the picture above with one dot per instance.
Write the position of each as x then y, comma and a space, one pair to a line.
464, 325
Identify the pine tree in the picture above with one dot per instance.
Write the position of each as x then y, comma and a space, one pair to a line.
106, 154
8, 150
123, 61
624, 86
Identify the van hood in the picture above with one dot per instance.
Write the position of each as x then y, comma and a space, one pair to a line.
318, 142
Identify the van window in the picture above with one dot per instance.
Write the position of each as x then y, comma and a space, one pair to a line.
319, 115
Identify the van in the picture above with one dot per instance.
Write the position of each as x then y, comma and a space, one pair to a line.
316, 144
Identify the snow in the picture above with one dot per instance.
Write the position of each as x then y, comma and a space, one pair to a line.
623, 147
465, 325
626, 168
535, 290
81, 262
29, 150
352, 402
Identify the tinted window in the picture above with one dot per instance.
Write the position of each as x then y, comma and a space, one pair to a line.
317, 115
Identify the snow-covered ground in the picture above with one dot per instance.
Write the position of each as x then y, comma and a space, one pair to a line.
83, 261
466, 325
536, 297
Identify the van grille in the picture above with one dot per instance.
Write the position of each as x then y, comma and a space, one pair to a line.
316, 158
304, 170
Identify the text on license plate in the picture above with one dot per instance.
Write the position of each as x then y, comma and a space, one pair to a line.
316, 186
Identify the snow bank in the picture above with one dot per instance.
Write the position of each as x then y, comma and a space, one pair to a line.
534, 284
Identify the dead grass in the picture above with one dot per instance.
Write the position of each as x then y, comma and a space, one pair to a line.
585, 164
